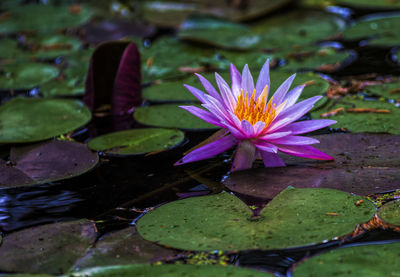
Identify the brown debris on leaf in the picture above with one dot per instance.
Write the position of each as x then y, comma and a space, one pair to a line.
333, 112
75, 9
367, 110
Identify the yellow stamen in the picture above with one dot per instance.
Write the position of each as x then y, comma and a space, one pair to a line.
254, 110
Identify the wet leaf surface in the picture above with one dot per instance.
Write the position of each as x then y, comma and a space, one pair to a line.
51, 248
296, 217
365, 260
390, 212
387, 90
123, 248
373, 5
137, 141
364, 164
9, 49
52, 46
30, 119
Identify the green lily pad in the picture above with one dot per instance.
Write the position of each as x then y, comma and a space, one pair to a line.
53, 46
218, 32
387, 90
296, 217
47, 162
371, 4
170, 116
137, 141
37, 249
299, 28
25, 75
122, 248
168, 270
27, 275
33, 119
44, 18
170, 91
9, 50
362, 122
254, 59
366, 260
390, 212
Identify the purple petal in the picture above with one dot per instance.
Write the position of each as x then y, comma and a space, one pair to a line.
209, 150
235, 132
204, 115
304, 151
280, 93
226, 93
208, 87
306, 126
244, 157
265, 146
293, 95
295, 140
215, 107
258, 127
263, 79
247, 128
271, 159
236, 81
275, 135
247, 80
197, 93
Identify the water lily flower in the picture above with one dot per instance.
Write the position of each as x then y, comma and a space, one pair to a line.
260, 127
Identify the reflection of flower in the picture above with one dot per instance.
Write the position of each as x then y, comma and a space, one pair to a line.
260, 128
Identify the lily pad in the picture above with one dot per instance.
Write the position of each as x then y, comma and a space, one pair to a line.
374, 116
365, 260
141, 270
170, 116
137, 141
37, 249
32, 119
364, 164
25, 75
387, 90
44, 18
390, 212
255, 59
53, 46
122, 248
296, 217
9, 49
371, 4
47, 162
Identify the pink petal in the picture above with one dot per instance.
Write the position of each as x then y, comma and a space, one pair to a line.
204, 115
271, 159
295, 140
245, 156
304, 151
258, 127
197, 93
306, 126
236, 81
265, 146
247, 80
275, 135
209, 150
226, 93
292, 96
280, 93
208, 87
263, 79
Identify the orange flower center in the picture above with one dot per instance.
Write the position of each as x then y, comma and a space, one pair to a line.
254, 110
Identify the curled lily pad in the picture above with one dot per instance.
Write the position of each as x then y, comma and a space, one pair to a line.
29, 119
137, 141
46, 162
390, 212
296, 217
52, 46
25, 75
141, 270
37, 249
357, 115
366, 260
387, 90
43, 18
170, 116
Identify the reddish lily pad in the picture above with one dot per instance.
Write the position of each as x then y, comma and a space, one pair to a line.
390, 212
37, 249
364, 164
122, 248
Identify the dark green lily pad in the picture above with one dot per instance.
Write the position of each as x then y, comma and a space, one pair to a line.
122, 248
170, 91
33, 119
390, 212
25, 75
44, 18
387, 90
254, 59
365, 260
218, 32
27, 275
53, 46
170, 116
9, 50
47, 162
299, 28
37, 249
364, 164
141, 270
137, 141
371, 4
370, 122
296, 217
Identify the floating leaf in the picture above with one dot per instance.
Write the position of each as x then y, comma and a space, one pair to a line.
32, 119
47, 162
141, 270
25, 75
122, 248
137, 141
371, 4
296, 217
390, 212
366, 260
170, 116
384, 120
37, 249
9, 50
53, 46
387, 90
